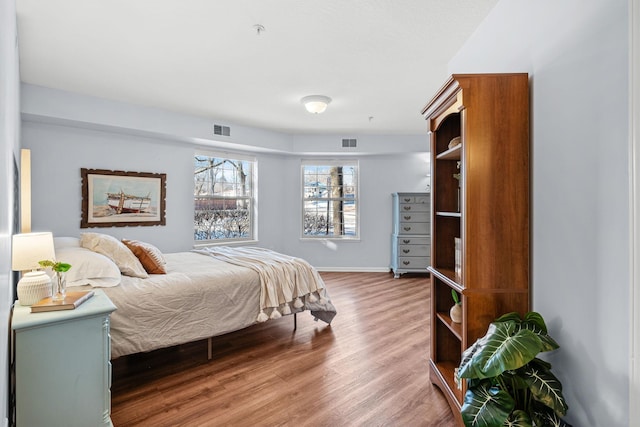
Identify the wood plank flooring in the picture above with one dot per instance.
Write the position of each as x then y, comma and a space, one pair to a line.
368, 368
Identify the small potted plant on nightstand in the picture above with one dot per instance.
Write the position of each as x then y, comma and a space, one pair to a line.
59, 282
507, 385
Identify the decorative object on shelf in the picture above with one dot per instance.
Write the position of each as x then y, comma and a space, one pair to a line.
454, 142
506, 379
458, 176
456, 310
118, 198
457, 242
59, 281
27, 249
315, 104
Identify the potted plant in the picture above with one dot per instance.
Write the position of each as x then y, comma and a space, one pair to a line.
507, 385
456, 310
59, 284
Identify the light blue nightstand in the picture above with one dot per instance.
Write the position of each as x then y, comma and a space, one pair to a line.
62, 365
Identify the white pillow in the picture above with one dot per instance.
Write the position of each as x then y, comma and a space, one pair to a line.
88, 267
113, 248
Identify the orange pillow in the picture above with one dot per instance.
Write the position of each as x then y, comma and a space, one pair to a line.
150, 257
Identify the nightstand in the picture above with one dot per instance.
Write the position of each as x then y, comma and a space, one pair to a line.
62, 365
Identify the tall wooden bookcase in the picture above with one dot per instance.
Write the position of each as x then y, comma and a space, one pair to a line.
486, 207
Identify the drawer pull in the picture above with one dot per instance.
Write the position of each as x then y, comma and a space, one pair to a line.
407, 200
407, 208
406, 262
406, 228
406, 251
407, 217
406, 241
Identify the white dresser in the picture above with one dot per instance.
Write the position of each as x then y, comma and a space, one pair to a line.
62, 365
410, 241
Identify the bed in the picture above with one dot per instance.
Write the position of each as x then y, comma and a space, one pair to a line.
168, 299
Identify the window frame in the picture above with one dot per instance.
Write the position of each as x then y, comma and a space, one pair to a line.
252, 198
356, 199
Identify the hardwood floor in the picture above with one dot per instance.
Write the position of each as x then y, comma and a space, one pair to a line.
369, 368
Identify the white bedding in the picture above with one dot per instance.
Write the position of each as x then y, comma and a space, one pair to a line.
285, 281
199, 297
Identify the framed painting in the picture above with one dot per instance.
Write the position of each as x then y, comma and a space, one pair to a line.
120, 199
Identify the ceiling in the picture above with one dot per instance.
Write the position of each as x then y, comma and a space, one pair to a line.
379, 60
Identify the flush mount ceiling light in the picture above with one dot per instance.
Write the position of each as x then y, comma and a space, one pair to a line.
316, 104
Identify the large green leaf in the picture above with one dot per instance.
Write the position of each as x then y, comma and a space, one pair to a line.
534, 318
535, 323
548, 343
518, 418
545, 417
486, 406
546, 388
509, 316
466, 363
503, 348
516, 380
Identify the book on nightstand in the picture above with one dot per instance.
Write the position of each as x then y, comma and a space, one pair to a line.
70, 301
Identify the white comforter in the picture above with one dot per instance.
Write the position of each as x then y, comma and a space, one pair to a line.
199, 297
285, 281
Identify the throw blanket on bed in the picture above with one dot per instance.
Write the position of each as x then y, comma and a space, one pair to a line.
284, 279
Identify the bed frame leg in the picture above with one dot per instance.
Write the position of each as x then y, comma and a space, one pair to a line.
295, 321
209, 348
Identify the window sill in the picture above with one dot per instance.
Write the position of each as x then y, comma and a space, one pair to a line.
226, 243
330, 239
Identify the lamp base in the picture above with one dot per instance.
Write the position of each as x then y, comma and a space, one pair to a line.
33, 286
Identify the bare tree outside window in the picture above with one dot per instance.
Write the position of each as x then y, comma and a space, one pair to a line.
222, 199
330, 201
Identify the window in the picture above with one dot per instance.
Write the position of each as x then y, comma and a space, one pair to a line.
330, 199
223, 198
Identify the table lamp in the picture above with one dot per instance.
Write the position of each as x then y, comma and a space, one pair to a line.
26, 250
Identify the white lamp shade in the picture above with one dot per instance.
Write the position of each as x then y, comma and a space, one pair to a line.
316, 104
29, 248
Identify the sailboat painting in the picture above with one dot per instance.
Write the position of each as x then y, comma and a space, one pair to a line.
119, 198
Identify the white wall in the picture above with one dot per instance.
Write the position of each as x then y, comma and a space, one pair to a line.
576, 53
9, 144
62, 123
59, 152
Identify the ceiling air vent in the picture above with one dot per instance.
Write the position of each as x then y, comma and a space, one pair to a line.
349, 143
221, 130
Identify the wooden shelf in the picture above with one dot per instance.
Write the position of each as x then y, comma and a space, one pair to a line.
456, 328
446, 371
448, 276
451, 153
449, 214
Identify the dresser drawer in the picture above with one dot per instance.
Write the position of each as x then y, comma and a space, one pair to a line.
413, 207
414, 228
413, 241
422, 199
415, 217
414, 250
413, 262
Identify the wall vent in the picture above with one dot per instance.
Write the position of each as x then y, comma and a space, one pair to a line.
349, 143
221, 130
